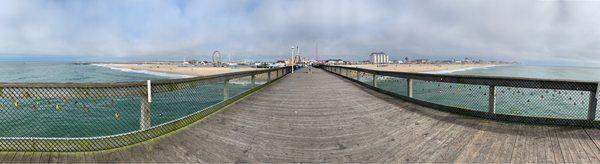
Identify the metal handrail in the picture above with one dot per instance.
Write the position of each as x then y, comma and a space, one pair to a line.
22, 98
487, 80
139, 83
491, 81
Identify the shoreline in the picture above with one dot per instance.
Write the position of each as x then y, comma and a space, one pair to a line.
459, 70
155, 73
173, 70
425, 68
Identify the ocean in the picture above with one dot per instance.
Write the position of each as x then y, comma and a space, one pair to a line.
66, 72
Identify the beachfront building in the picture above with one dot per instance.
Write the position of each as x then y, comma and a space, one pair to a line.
280, 63
334, 62
421, 61
379, 58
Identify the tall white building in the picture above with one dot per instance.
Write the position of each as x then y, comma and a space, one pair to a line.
379, 58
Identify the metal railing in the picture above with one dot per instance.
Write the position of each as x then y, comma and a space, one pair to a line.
98, 116
502, 98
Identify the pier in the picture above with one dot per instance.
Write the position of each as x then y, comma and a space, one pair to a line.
322, 117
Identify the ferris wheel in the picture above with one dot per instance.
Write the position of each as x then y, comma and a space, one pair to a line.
216, 59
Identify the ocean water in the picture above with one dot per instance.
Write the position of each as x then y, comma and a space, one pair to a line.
73, 113
65, 72
543, 72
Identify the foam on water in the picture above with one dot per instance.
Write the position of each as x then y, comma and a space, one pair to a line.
459, 70
169, 75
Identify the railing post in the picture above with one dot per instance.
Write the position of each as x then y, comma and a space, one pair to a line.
347, 72
375, 80
357, 76
276, 74
492, 99
409, 87
593, 104
226, 90
145, 107
269, 76
253, 80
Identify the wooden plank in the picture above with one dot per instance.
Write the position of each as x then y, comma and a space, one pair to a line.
522, 151
535, 145
54, 157
548, 149
20, 158
7, 157
502, 142
572, 150
555, 146
44, 157
594, 135
35, 157
588, 145
478, 147
72, 158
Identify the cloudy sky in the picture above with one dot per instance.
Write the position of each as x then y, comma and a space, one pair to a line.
546, 32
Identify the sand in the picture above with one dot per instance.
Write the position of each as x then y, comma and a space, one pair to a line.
424, 68
205, 71
174, 69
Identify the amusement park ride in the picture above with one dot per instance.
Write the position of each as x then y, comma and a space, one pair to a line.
216, 59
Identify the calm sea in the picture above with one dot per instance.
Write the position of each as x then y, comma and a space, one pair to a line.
64, 72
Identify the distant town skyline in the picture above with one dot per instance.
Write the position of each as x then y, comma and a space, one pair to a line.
531, 32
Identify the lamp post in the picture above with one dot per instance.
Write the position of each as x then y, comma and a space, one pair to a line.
292, 59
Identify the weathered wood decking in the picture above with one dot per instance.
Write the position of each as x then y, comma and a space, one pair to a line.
323, 118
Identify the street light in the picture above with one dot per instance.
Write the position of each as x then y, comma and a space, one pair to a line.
292, 59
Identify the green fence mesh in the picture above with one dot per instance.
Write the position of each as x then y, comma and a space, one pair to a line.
529, 100
86, 117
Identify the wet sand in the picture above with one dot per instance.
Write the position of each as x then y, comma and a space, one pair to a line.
175, 69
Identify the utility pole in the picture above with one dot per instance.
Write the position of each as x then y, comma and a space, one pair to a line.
317, 51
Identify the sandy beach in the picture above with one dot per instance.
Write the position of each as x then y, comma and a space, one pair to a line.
182, 72
423, 68
174, 69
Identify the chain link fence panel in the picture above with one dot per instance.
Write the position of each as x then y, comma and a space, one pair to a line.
88, 117
512, 99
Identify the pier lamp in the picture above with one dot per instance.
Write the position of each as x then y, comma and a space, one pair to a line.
292, 59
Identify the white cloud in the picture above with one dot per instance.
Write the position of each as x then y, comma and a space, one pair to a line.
519, 30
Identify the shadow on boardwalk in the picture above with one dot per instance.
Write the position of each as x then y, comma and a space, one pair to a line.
320, 117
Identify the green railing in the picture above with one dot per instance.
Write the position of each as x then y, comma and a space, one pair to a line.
98, 116
501, 98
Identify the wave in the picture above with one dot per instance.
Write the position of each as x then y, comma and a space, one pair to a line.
459, 70
169, 75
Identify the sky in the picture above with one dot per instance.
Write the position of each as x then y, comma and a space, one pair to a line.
540, 32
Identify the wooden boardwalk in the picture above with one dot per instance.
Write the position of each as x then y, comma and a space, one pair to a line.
320, 117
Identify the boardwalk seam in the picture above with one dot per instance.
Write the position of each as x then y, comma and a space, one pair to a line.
588, 134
